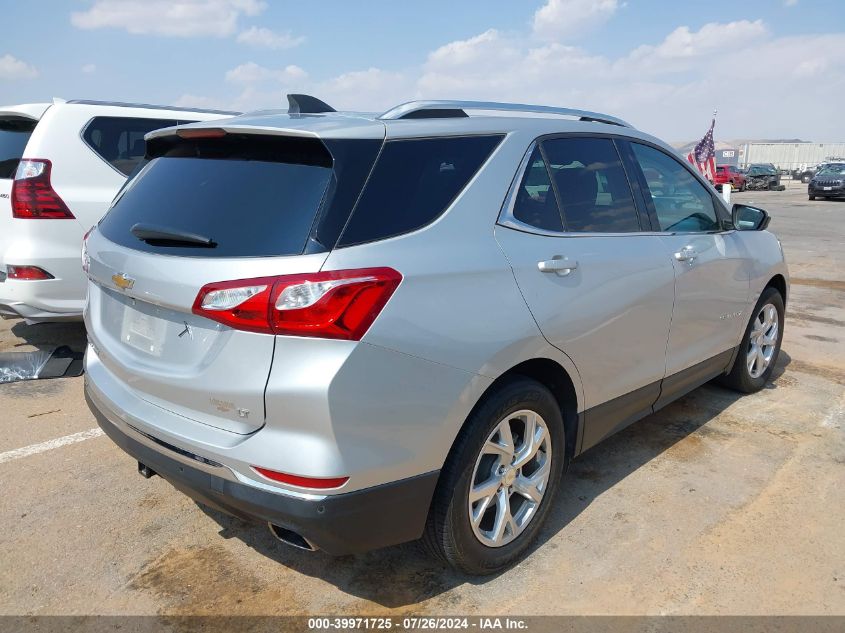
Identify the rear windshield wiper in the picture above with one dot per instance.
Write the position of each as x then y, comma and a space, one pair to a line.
166, 236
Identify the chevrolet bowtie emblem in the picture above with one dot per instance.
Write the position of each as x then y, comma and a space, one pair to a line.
122, 281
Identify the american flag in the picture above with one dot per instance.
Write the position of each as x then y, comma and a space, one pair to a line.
704, 154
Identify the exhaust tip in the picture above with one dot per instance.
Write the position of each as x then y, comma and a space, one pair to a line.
289, 537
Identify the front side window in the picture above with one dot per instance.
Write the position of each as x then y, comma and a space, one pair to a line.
120, 141
682, 204
534, 201
592, 186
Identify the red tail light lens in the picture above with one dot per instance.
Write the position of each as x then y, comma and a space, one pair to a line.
340, 304
303, 482
27, 272
33, 197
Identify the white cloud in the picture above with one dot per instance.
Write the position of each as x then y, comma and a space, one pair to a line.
373, 89
172, 18
568, 18
682, 44
251, 73
13, 68
668, 88
265, 38
790, 3
89, 68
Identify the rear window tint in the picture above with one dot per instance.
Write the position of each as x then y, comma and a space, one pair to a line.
253, 197
14, 135
535, 203
120, 141
413, 183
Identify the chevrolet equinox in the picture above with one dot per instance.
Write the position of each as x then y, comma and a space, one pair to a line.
369, 329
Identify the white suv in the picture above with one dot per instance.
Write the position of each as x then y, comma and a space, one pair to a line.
61, 164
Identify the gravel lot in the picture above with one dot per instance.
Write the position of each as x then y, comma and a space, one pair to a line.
718, 504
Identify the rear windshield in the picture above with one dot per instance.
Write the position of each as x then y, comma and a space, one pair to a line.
251, 197
14, 135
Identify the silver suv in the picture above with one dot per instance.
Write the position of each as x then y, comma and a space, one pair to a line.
365, 330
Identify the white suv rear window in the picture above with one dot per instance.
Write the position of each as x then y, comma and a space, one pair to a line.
14, 135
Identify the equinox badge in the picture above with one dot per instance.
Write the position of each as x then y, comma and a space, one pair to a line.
122, 281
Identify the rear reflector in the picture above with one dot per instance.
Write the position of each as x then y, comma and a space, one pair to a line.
302, 482
33, 197
340, 304
27, 272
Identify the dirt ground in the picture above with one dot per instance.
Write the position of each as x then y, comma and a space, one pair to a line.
718, 504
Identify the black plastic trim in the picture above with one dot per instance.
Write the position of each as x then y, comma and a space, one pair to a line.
681, 383
603, 420
347, 523
436, 113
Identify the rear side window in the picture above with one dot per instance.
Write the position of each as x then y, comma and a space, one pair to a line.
250, 196
592, 185
14, 135
535, 203
413, 183
120, 141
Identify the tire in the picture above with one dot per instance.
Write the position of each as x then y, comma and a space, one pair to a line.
449, 533
746, 379
811, 197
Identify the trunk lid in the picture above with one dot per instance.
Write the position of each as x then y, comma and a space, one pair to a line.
207, 210
148, 337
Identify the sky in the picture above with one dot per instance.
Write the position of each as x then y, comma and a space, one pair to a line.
772, 68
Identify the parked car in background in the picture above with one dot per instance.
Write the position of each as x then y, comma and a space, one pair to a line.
61, 164
762, 176
729, 174
805, 174
829, 182
364, 330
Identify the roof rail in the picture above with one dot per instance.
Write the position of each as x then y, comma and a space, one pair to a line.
147, 106
450, 109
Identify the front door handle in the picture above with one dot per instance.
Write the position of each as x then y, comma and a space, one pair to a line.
559, 265
686, 254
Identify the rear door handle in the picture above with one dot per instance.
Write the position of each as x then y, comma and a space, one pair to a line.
558, 265
686, 254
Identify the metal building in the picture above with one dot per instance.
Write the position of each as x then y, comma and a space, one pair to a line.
790, 156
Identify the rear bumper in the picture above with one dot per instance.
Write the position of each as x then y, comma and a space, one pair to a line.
348, 523
54, 247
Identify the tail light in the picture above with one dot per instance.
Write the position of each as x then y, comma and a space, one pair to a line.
302, 482
339, 304
33, 197
31, 273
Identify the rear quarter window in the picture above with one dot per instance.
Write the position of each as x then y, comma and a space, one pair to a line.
14, 135
413, 182
120, 140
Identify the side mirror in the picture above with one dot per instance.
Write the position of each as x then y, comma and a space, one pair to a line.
747, 218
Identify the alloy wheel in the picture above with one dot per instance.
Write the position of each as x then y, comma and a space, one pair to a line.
510, 478
762, 340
